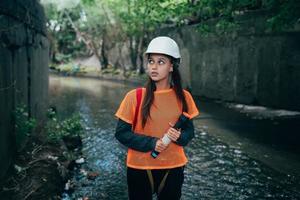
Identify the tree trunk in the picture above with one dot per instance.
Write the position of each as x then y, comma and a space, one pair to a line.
133, 53
87, 41
141, 69
103, 57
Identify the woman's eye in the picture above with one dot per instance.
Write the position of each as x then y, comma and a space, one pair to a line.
150, 61
161, 62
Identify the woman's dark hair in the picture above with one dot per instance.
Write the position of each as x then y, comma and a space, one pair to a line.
150, 88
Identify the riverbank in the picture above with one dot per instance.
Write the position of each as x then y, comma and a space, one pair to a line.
268, 135
39, 172
43, 164
131, 79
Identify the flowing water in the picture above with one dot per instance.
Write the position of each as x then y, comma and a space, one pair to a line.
215, 170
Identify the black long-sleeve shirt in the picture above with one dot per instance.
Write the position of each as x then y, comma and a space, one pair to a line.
143, 143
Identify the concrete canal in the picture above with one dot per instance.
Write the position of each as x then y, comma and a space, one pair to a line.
221, 166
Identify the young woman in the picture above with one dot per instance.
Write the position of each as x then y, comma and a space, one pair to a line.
141, 128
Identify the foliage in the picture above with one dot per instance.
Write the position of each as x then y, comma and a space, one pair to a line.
57, 129
24, 125
61, 5
69, 68
63, 58
61, 34
85, 27
286, 14
111, 70
136, 17
74, 69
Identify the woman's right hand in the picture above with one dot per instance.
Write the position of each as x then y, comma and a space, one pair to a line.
160, 146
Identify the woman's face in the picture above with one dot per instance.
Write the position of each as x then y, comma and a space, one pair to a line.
159, 67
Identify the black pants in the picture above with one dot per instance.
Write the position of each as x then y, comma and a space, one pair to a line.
139, 187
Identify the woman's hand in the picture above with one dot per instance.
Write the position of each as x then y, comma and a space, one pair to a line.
160, 146
172, 133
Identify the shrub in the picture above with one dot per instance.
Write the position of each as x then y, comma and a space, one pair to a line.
24, 125
57, 129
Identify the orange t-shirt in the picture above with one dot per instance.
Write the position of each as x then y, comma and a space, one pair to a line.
165, 108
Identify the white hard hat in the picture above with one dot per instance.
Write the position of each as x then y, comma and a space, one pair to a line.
164, 45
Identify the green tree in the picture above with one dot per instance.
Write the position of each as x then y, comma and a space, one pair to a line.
85, 27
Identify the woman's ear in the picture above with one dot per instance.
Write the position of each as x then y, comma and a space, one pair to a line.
171, 68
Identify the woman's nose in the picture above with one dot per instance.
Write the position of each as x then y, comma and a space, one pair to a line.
154, 66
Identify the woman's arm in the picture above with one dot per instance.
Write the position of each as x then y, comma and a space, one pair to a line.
187, 134
132, 140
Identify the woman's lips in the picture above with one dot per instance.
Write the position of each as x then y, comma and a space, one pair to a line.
154, 73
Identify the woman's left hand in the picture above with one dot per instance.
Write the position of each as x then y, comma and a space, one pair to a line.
172, 133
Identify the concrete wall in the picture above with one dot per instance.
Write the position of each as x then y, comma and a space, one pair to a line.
23, 68
248, 66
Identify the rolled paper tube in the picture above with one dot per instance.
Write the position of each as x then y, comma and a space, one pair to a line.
183, 118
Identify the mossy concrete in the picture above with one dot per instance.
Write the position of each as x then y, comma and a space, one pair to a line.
23, 69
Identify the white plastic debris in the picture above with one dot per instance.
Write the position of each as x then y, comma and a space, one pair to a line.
67, 185
83, 172
203, 133
52, 157
237, 151
18, 168
79, 161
